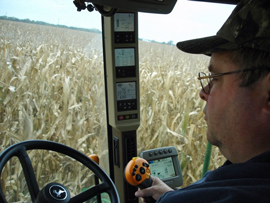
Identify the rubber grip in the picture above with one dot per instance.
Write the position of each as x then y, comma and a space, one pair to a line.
137, 173
145, 184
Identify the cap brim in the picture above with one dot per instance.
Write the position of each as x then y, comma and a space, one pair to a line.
207, 45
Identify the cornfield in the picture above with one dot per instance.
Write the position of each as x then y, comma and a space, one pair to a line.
52, 88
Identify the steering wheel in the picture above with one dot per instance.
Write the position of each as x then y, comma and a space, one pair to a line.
53, 192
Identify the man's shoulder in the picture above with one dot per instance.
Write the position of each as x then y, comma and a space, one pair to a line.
244, 182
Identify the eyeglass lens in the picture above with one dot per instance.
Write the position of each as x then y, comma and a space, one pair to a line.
205, 82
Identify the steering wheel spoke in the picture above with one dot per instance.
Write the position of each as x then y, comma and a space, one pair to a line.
90, 193
28, 173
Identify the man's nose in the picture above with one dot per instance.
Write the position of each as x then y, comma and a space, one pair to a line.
203, 95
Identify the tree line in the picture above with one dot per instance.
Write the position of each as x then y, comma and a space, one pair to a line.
49, 24
69, 27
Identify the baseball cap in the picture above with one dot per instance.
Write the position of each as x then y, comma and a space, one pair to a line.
247, 26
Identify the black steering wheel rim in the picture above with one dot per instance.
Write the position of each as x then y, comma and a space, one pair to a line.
19, 150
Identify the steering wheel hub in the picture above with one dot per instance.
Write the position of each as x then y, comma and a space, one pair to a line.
58, 192
53, 193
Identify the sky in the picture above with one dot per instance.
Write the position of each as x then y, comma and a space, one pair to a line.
188, 20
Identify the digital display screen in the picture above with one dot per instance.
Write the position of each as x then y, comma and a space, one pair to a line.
162, 168
126, 90
124, 57
124, 22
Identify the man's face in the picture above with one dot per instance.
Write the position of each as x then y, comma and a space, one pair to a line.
229, 109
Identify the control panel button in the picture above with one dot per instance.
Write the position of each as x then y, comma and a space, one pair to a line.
123, 72
127, 117
127, 105
124, 37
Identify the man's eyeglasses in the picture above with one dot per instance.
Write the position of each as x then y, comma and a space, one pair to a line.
206, 79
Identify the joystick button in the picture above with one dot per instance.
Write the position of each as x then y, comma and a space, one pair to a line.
138, 177
142, 170
145, 165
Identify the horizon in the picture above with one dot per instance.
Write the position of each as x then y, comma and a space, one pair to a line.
188, 19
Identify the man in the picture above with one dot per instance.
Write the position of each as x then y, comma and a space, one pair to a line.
237, 111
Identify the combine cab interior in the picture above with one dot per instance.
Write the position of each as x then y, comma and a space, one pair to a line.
102, 179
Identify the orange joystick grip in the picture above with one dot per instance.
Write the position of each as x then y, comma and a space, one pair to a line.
137, 173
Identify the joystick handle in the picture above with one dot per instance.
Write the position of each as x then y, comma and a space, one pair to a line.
137, 173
